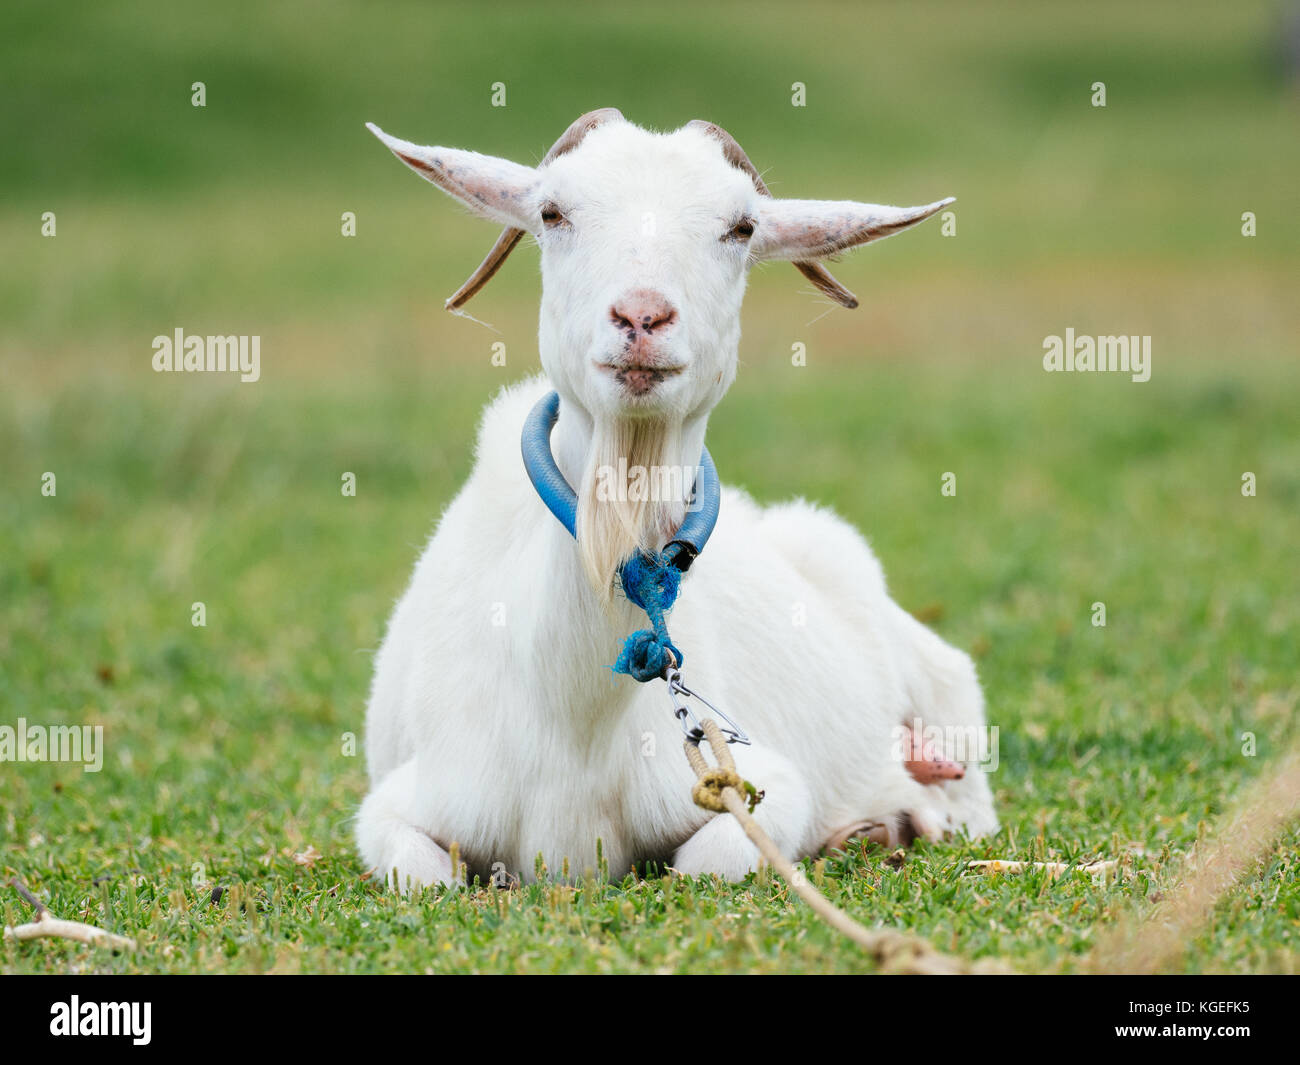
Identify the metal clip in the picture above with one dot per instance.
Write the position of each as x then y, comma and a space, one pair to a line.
678, 693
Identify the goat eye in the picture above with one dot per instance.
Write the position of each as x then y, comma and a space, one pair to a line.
551, 215
741, 231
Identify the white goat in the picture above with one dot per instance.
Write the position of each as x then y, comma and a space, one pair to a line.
515, 739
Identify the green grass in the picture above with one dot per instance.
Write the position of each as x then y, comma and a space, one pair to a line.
225, 744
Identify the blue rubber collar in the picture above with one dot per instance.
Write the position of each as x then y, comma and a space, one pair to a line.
562, 501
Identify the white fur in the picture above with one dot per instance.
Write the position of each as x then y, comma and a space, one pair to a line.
516, 739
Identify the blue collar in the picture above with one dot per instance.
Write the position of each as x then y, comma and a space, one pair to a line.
562, 501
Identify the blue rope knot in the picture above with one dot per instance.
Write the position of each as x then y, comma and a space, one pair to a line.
651, 583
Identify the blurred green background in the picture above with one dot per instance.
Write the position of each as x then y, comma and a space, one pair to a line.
224, 741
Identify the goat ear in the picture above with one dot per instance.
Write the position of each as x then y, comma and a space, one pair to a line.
493, 188
810, 229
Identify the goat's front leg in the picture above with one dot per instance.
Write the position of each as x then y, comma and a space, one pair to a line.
721, 846
392, 844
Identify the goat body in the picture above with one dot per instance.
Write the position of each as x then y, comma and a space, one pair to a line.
495, 722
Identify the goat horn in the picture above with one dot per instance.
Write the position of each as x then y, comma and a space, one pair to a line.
510, 236
735, 155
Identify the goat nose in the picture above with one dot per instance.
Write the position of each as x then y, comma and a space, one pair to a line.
642, 311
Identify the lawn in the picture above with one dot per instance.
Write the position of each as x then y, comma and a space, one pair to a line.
218, 832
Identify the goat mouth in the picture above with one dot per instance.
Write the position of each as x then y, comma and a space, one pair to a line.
639, 379
642, 367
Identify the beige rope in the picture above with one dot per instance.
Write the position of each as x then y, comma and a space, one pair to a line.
721, 789
1140, 945
1154, 941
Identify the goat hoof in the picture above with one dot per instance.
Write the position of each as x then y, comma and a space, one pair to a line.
870, 831
880, 833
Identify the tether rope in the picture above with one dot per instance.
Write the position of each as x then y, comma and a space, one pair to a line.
720, 788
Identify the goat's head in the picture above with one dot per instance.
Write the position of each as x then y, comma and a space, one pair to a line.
646, 242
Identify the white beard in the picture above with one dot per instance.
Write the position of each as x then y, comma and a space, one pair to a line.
611, 526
